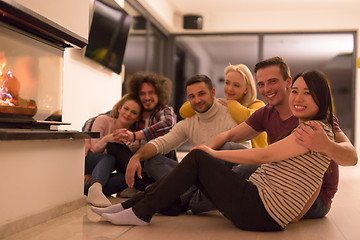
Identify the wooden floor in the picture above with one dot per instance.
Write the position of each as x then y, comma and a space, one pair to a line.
342, 223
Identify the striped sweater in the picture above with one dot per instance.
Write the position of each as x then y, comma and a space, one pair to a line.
286, 186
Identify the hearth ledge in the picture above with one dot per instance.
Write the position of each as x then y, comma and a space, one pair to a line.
35, 134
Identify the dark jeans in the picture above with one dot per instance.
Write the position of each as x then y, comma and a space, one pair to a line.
237, 199
317, 210
101, 167
122, 155
193, 199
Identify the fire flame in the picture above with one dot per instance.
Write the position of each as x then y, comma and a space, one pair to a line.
6, 99
9, 93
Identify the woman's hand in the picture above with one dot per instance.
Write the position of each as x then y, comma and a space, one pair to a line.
205, 148
222, 101
109, 138
118, 136
87, 178
88, 147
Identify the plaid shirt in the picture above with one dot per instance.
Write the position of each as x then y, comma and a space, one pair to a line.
161, 120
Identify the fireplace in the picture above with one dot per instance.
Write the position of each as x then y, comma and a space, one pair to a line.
30, 78
31, 67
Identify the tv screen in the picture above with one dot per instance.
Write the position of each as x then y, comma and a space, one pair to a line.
108, 34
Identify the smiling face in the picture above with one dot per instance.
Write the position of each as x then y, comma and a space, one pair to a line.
235, 86
272, 86
148, 97
200, 96
301, 102
129, 113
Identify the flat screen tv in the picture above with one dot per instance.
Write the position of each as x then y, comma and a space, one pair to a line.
108, 34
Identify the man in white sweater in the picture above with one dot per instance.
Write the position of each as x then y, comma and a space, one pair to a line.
211, 118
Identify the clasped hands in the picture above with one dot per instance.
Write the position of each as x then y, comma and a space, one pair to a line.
120, 136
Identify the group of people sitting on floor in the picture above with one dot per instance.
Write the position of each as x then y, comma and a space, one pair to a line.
262, 166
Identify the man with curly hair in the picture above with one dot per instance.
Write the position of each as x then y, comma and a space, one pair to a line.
154, 92
157, 119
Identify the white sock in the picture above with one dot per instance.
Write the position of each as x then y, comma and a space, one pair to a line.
96, 197
126, 217
112, 209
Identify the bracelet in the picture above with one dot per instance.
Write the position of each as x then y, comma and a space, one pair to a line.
134, 136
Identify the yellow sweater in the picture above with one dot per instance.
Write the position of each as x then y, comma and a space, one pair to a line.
239, 113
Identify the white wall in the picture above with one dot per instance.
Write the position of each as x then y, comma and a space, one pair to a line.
72, 15
88, 89
37, 175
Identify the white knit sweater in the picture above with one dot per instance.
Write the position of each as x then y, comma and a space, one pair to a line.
198, 129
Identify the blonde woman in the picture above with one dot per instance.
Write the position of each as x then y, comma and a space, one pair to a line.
240, 97
112, 129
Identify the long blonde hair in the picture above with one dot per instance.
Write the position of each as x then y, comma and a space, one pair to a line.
251, 94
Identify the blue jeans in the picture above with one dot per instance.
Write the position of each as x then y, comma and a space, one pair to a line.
159, 166
101, 167
245, 171
231, 146
317, 210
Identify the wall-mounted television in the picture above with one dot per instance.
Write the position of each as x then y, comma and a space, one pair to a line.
108, 34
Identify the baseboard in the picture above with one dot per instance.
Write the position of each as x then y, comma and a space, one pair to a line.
36, 219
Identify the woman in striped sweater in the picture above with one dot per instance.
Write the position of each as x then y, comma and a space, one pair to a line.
279, 192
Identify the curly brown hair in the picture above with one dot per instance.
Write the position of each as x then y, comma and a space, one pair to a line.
162, 85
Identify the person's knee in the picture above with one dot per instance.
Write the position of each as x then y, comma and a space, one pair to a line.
153, 165
196, 156
195, 153
232, 146
109, 157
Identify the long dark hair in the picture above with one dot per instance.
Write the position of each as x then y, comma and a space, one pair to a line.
320, 90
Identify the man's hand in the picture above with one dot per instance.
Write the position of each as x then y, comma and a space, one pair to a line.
133, 167
315, 139
120, 135
312, 137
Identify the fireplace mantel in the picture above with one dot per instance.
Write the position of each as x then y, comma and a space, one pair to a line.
29, 21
